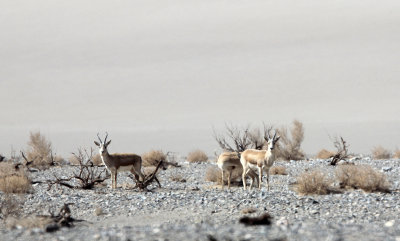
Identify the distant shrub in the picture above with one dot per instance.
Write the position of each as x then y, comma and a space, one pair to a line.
153, 157
314, 182
362, 177
379, 152
197, 156
396, 153
325, 154
278, 170
289, 148
12, 180
40, 151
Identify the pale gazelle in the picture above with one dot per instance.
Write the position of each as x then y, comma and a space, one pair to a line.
252, 159
229, 161
119, 162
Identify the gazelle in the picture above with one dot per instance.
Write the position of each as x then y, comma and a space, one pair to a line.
252, 159
229, 161
119, 162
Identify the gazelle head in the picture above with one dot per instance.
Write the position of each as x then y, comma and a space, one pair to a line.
103, 144
271, 141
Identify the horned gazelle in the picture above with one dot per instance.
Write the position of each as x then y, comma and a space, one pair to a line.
119, 162
229, 161
252, 159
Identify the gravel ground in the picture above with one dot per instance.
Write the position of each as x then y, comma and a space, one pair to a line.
200, 210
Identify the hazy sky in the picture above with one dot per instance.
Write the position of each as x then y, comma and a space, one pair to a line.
161, 74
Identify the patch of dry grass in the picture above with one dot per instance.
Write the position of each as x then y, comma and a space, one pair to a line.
12, 180
278, 170
153, 157
325, 154
314, 182
96, 159
197, 156
379, 152
362, 177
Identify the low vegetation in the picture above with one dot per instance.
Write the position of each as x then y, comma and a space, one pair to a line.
153, 157
362, 177
314, 182
11, 205
396, 153
197, 156
14, 179
379, 152
325, 154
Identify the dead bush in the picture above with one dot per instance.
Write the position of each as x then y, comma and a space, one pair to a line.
325, 154
153, 157
197, 156
289, 147
278, 170
13, 179
396, 153
362, 177
314, 182
11, 205
379, 152
238, 139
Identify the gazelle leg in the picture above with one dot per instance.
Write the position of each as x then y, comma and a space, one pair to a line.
260, 177
115, 179
244, 177
229, 179
268, 179
222, 178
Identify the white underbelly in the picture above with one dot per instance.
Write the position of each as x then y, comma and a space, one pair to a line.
252, 166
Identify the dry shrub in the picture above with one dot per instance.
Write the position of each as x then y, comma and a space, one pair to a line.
153, 157
197, 156
11, 205
362, 177
396, 153
325, 154
314, 182
278, 170
379, 152
40, 151
289, 148
13, 180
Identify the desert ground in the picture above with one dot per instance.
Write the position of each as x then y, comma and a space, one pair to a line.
188, 207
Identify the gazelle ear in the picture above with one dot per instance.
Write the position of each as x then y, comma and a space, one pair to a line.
276, 139
96, 143
108, 143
